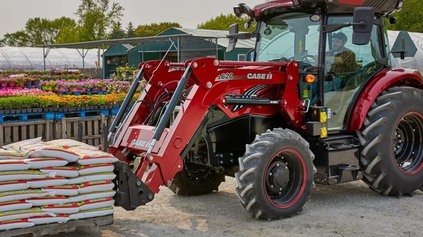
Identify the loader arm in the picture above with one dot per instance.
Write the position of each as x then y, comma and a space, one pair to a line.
203, 83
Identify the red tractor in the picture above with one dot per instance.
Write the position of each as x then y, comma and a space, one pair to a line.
289, 117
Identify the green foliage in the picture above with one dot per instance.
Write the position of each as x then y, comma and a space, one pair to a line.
19, 102
96, 17
17, 39
39, 31
117, 31
130, 31
154, 29
126, 73
223, 22
410, 18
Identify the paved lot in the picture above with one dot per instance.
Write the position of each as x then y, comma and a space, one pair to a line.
350, 209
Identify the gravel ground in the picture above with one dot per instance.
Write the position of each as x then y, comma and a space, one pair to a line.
350, 209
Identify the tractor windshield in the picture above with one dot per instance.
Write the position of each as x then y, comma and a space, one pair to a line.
289, 36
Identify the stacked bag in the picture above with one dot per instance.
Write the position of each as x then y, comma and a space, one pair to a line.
54, 182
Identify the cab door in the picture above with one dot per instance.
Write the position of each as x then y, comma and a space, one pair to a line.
342, 86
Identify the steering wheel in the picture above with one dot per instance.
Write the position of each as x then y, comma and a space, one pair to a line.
306, 58
282, 59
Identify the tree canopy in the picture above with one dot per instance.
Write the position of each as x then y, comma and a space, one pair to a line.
40, 31
223, 22
96, 17
101, 19
154, 28
117, 31
130, 30
410, 18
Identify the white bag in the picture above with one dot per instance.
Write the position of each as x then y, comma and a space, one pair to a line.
13, 185
37, 163
8, 165
92, 213
22, 194
14, 205
15, 224
45, 182
96, 203
96, 186
65, 190
58, 218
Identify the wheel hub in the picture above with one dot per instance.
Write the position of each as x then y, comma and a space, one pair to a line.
407, 142
277, 177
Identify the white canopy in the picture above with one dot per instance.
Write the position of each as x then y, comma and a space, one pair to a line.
27, 58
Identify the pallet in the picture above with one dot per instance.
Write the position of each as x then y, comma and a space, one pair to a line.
81, 114
90, 130
25, 117
57, 228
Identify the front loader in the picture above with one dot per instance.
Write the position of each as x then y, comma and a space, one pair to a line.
280, 122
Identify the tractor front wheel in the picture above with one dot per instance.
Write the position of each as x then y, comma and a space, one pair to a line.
275, 175
392, 140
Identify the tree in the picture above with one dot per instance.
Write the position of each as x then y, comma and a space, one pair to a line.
17, 39
223, 22
39, 31
96, 17
117, 31
410, 18
68, 30
130, 31
154, 28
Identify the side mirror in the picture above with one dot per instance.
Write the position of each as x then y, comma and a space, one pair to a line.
363, 19
233, 30
234, 35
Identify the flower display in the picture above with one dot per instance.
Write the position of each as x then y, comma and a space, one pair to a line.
59, 101
23, 92
58, 89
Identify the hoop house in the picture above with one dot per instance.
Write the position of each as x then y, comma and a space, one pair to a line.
27, 58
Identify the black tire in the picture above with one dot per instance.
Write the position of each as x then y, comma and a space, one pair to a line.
196, 180
392, 142
275, 175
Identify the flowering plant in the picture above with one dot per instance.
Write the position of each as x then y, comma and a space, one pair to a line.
54, 100
23, 92
126, 73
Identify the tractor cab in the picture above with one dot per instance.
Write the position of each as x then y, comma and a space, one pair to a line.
336, 55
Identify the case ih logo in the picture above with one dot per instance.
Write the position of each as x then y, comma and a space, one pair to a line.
260, 76
251, 76
140, 143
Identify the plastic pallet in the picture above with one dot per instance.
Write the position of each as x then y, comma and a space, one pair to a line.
114, 111
25, 117
57, 228
81, 114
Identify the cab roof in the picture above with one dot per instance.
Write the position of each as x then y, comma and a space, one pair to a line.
336, 6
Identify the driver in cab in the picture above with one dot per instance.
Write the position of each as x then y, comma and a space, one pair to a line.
340, 59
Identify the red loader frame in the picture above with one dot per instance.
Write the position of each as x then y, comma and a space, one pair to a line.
158, 148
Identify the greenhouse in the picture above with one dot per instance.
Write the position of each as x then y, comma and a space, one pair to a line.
27, 58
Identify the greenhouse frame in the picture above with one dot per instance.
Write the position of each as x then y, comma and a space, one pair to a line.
34, 58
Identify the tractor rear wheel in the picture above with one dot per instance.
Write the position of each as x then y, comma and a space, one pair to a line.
275, 174
392, 141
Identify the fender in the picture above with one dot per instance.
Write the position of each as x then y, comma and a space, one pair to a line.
380, 82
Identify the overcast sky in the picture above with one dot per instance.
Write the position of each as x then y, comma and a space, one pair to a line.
189, 13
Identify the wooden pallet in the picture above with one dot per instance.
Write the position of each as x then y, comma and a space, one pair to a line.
57, 228
90, 130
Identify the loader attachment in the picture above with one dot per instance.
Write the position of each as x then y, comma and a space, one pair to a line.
131, 192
